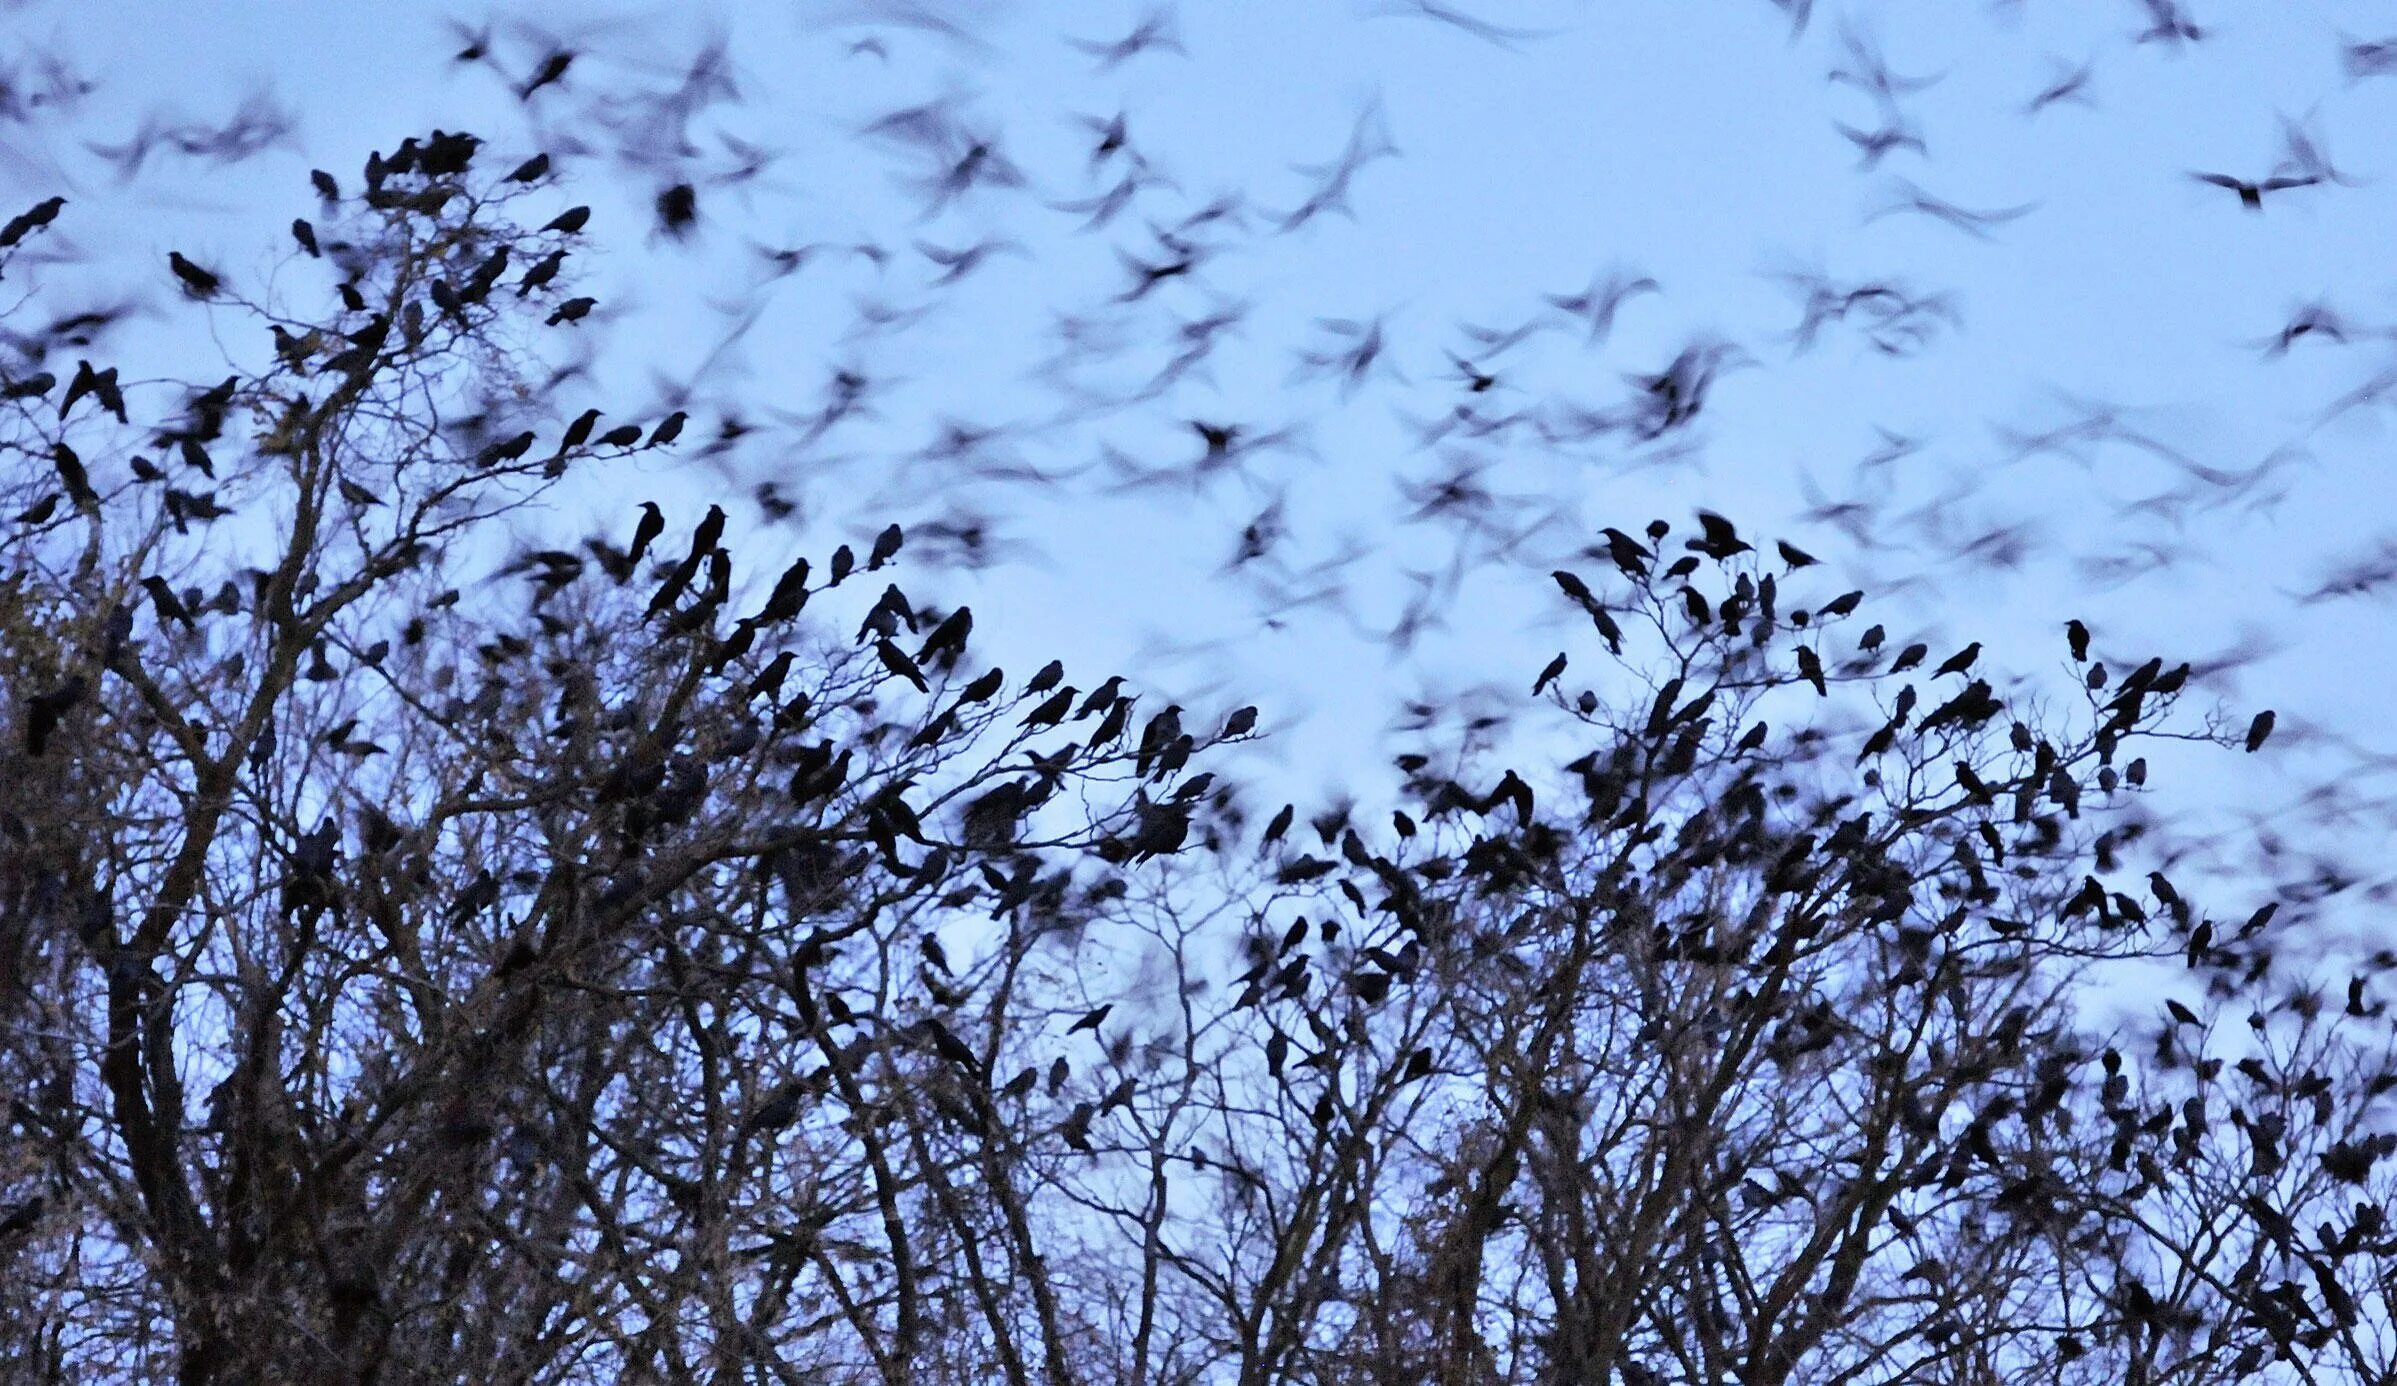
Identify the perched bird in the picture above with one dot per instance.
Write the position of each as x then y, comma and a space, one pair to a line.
1960, 661
645, 531
197, 282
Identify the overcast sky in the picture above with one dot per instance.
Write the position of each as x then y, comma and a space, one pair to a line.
1694, 142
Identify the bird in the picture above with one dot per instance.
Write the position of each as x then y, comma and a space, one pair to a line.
542, 272
552, 69
32, 219
651, 524
678, 210
96, 384
2259, 730
71, 474
895, 659
1052, 710
578, 432
1960, 661
1720, 540
2251, 195
197, 282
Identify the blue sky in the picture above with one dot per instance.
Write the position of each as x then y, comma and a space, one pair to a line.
1696, 143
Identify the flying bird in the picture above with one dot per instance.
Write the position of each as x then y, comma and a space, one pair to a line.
2251, 195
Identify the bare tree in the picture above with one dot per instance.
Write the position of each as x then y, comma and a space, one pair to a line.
434, 954
412, 987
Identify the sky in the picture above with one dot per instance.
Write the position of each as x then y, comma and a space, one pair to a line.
2195, 483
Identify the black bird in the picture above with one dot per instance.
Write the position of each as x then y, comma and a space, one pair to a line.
947, 639
446, 155
678, 210
578, 432
326, 188
2078, 636
651, 524
505, 450
886, 547
552, 69
99, 385
709, 532
668, 429
788, 597
1627, 553
1090, 1021
1720, 541
2259, 730
305, 234
170, 607
72, 475
621, 436
31, 387
1156, 30
769, 680
43, 711
197, 282
895, 659
570, 221
2251, 195
542, 272
572, 310
531, 170
32, 219
1960, 661
1156, 736
1052, 710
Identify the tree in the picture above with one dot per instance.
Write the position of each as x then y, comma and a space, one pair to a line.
632, 972
396, 978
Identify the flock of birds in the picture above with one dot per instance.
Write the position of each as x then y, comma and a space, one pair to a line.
1131, 416
1129, 411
